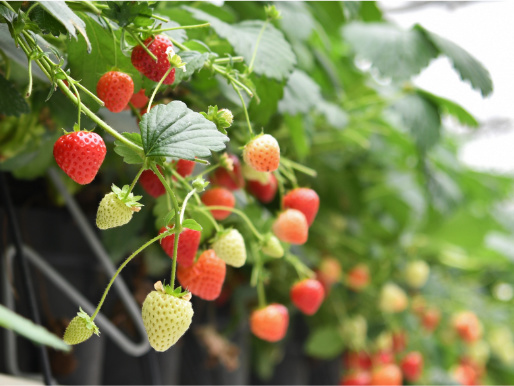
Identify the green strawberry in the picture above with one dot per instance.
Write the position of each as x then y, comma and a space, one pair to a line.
230, 247
167, 315
80, 329
116, 208
272, 246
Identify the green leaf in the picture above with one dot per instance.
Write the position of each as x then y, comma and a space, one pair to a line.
297, 22
466, 65
394, 52
89, 68
296, 127
324, 343
270, 93
194, 62
26, 328
274, 58
421, 117
451, 108
173, 130
334, 115
65, 15
191, 224
130, 156
46, 22
301, 94
11, 101
127, 12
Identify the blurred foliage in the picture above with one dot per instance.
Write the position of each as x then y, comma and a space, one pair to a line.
332, 82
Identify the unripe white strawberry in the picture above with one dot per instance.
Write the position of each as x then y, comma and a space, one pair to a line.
117, 208
392, 298
416, 273
80, 329
166, 318
230, 247
272, 247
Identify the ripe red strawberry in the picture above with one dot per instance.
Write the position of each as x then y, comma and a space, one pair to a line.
139, 99
465, 374
291, 227
307, 295
358, 277
356, 377
230, 179
262, 153
467, 326
220, 197
399, 341
151, 183
357, 360
382, 357
147, 66
185, 167
430, 319
386, 375
80, 155
188, 243
115, 89
305, 200
205, 277
412, 366
270, 323
265, 193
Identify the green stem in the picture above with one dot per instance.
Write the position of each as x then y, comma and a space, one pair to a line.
301, 269
31, 8
222, 71
29, 87
134, 110
178, 224
157, 88
7, 64
160, 18
254, 55
160, 236
257, 279
244, 108
91, 7
90, 94
178, 44
287, 172
239, 213
301, 168
135, 181
206, 171
261, 294
175, 28
141, 44
232, 59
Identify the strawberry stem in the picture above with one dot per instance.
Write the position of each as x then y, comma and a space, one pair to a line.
301, 168
232, 59
301, 269
257, 277
244, 108
160, 236
135, 181
141, 44
155, 31
254, 55
157, 88
239, 213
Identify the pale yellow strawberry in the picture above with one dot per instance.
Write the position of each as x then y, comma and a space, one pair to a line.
230, 247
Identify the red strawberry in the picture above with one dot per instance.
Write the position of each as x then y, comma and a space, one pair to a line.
270, 323
305, 200
356, 377
147, 66
382, 357
307, 295
412, 366
386, 375
265, 193
262, 153
139, 99
430, 318
80, 155
399, 341
185, 167
357, 360
358, 277
465, 374
151, 183
115, 89
231, 180
291, 227
205, 277
220, 197
188, 243
468, 326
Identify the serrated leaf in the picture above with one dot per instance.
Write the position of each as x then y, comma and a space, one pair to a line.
466, 65
173, 130
130, 156
275, 58
451, 108
324, 343
46, 22
297, 21
194, 62
300, 94
422, 118
191, 224
394, 52
11, 101
127, 12
30, 330
65, 15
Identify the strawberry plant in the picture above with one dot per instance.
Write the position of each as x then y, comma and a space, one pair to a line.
269, 162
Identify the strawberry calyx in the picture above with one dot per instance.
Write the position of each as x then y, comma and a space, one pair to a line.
90, 324
222, 118
176, 292
127, 198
